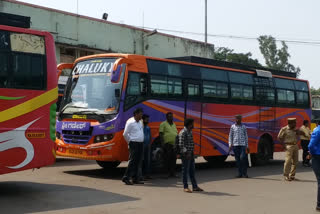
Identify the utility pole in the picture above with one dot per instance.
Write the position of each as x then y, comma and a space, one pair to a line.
205, 23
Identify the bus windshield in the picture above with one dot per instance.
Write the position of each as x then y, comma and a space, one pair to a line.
90, 89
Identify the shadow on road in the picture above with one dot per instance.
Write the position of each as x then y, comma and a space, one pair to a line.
27, 197
61, 161
205, 172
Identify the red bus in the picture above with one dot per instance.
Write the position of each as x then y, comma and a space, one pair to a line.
28, 95
103, 91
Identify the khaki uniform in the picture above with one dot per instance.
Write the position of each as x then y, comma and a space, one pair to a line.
289, 137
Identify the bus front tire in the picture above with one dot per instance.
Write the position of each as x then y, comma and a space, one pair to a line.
108, 164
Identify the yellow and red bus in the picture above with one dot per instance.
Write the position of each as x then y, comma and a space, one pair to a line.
103, 91
28, 94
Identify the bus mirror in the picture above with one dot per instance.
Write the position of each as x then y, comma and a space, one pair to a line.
116, 73
117, 69
117, 93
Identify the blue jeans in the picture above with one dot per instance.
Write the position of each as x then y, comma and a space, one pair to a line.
188, 169
241, 159
146, 167
316, 170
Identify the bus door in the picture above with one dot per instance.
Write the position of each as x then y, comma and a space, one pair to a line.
193, 109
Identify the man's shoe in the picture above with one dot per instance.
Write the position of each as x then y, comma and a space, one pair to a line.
127, 181
318, 209
294, 178
138, 182
187, 190
197, 189
246, 176
286, 178
239, 176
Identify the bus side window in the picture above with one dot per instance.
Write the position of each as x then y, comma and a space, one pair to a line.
136, 89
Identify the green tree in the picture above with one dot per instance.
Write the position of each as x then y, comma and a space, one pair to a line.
315, 91
276, 58
226, 54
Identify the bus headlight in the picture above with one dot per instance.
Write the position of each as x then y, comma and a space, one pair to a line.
103, 138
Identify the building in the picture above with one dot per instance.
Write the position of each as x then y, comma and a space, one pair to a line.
77, 35
315, 101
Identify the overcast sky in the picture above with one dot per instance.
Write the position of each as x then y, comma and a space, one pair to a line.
289, 20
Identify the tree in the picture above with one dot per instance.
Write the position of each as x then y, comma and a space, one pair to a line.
315, 91
226, 54
276, 58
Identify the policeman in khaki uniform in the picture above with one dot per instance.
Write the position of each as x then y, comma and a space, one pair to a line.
288, 136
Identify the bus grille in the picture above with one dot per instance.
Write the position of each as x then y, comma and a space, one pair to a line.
76, 137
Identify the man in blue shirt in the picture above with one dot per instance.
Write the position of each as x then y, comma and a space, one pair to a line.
314, 149
146, 166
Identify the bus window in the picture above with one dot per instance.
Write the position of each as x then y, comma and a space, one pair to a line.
240, 78
301, 86
215, 89
284, 83
136, 89
214, 74
174, 86
193, 90
241, 92
159, 85
285, 96
302, 98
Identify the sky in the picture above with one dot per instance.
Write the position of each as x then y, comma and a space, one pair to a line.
289, 20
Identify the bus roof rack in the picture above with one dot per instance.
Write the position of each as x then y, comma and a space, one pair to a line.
207, 61
14, 20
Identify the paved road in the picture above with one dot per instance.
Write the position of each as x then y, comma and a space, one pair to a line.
77, 186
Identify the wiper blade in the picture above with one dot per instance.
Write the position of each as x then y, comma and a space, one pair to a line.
70, 105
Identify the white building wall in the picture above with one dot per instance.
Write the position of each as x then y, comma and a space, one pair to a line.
103, 36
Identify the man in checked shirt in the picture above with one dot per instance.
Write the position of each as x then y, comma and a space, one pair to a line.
238, 141
186, 146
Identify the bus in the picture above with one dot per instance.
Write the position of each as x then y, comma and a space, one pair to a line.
103, 91
28, 95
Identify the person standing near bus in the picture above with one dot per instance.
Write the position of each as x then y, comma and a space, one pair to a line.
288, 136
305, 142
133, 134
314, 150
238, 141
186, 146
146, 166
168, 132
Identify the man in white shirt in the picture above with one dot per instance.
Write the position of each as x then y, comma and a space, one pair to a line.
133, 134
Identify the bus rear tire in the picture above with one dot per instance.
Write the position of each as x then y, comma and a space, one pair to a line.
215, 160
108, 164
265, 151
